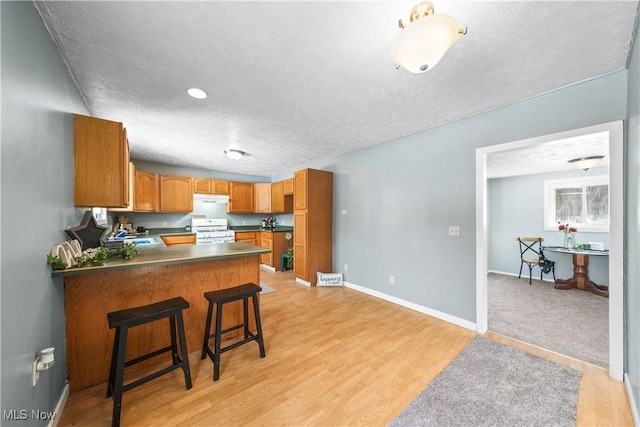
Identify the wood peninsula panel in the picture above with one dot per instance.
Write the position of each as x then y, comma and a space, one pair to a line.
89, 297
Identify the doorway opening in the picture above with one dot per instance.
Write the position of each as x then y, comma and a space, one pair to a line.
615, 131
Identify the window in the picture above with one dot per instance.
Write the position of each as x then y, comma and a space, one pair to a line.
581, 202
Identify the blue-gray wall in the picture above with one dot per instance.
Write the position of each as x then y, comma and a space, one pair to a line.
515, 207
632, 198
401, 196
38, 97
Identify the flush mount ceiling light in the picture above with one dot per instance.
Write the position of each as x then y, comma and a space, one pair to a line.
234, 154
196, 93
421, 44
586, 163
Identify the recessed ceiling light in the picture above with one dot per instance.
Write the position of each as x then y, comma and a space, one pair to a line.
234, 154
197, 93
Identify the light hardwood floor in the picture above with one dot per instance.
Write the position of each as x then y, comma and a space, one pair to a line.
335, 357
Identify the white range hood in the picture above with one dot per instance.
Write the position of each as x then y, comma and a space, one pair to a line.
211, 198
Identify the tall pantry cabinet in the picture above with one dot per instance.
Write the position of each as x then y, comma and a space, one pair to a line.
312, 224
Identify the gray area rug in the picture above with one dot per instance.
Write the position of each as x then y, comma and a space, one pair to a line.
491, 384
571, 322
266, 289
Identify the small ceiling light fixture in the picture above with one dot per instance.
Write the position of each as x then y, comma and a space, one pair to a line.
421, 44
197, 93
586, 163
234, 154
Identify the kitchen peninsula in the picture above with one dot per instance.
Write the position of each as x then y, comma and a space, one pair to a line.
158, 272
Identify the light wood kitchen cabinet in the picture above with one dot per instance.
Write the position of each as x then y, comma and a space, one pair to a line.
280, 202
132, 181
247, 237
145, 197
263, 198
266, 242
210, 186
179, 240
312, 224
240, 197
176, 194
288, 186
100, 162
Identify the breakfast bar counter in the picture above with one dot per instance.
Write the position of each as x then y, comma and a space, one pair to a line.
155, 274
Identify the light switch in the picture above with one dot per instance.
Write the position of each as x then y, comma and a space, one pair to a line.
454, 230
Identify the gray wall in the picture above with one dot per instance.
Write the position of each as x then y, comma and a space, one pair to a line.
515, 207
632, 196
402, 196
38, 96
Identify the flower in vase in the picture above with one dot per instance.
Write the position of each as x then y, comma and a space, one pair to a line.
566, 229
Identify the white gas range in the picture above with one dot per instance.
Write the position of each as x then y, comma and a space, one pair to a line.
209, 231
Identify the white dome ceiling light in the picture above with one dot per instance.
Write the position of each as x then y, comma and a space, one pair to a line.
421, 44
234, 154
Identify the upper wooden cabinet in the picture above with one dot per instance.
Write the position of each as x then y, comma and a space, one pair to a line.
176, 194
100, 162
210, 186
288, 186
146, 192
280, 202
240, 197
300, 189
263, 198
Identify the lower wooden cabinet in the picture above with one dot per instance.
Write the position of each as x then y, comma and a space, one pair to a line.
266, 241
247, 237
179, 240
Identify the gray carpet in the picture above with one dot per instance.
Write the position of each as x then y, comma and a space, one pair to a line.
491, 384
572, 322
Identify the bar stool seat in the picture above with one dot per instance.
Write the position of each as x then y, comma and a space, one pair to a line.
219, 298
123, 320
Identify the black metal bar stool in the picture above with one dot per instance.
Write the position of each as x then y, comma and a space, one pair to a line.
123, 320
219, 298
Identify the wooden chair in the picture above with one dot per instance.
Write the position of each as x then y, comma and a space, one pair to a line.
533, 255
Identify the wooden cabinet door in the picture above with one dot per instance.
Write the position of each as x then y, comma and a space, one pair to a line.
101, 163
247, 237
219, 187
300, 189
263, 197
240, 197
145, 197
299, 245
266, 241
202, 186
175, 194
277, 197
288, 186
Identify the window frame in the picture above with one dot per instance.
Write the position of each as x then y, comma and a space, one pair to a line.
550, 223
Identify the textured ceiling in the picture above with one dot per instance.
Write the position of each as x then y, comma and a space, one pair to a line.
294, 82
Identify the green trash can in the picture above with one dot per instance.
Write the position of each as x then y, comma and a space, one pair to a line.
283, 262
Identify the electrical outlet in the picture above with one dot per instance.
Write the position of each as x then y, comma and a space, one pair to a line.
346, 267
392, 280
164, 224
454, 230
244, 222
343, 211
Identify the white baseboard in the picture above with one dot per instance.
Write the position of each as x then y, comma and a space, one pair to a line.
545, 278
268, 267
60, 406
303, 282
632, 400
425, 310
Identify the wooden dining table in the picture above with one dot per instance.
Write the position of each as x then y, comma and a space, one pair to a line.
580, 279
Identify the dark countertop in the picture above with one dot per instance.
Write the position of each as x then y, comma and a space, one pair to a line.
257, 228
158, 254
